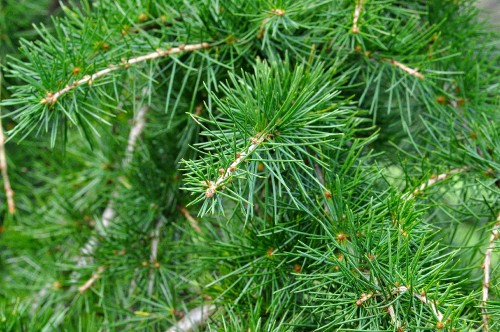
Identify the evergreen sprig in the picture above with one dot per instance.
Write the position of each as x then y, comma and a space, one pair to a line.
253, 166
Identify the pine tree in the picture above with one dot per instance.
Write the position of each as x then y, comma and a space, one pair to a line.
234, 165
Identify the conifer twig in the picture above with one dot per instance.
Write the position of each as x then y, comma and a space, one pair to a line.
153, 259
212, 186
405, 68
192, 221
52, 97
9, 193
357, 13
433, 180
92, 280
423, 298
487, 270
394, 320
194, 318
109, 212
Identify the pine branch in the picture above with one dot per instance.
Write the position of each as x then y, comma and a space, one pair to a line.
109, 212
83, 288
357, 12
9, 193
193, 319
212, 186
434, 180
52, 97
405, 68
153, 259
192, 221
487, 270
423, 298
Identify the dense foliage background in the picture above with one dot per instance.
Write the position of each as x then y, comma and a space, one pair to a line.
249, 166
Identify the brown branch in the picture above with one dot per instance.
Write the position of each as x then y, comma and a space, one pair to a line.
92, 280
487, 270
357, 13
405, 68
212, 186
52, 97
192, 221
194, 318
9, 193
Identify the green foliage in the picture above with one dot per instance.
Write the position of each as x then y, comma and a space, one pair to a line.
300, 165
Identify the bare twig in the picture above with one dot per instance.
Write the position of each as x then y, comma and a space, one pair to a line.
135, 132
212, 186
423, 298
357, 13
154, 254
192, 221
51, 97
194, 318
109, 212
405, 68
363, 298
433, 180
9, 193
394, 319
92, 280
487, 270
319, 174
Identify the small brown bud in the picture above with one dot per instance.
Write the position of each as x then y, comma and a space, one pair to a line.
297, 268
269, 252
260, 167
440, 325
142, 17
358, 49
145, 263
279, 12
341, 237
76, 71
441, 100
355, 30
328, 194
221, 171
